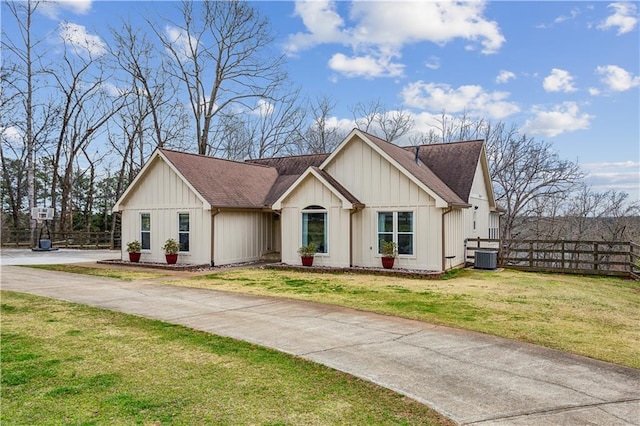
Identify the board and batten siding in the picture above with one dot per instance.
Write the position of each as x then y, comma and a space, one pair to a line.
313, 192
242, 236
478, 197
163, 194
382, 187
455, 235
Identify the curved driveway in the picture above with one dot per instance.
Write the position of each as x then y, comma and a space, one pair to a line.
472, 378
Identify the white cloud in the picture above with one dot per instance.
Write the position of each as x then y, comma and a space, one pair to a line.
624, 18
182, 42
433, 63
621, 176
12, 135
263, 108
323, 23
559, 81
618, 79
562, 118
471, 98
53, 9
78, 37
377, 31
365, 66
593, 91
572, 15
504, 76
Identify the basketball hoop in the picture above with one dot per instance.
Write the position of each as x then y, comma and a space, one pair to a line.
41, 213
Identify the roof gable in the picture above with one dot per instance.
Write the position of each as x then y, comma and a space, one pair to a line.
454, 163
289, 170
404, 161
349, 201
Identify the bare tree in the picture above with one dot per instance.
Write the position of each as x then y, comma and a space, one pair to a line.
149, 81
221, 52
23, 51
324, 134
267, 130
376, 119
86, 106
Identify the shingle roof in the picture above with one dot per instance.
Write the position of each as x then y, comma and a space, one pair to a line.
289, 169
454, 163
341, 189
447, 169
419, 169
225, 183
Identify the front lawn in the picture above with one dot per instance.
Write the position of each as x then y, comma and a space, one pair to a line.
593, 316
64, 363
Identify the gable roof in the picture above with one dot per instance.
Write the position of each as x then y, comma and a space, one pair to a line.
349, 201
454, 163
224, 183
289, 170
417, 171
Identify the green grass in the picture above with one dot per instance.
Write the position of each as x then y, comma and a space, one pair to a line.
118, 273
64, 363
598, 317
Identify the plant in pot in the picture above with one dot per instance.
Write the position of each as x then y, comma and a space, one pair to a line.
134, 248
307, 253
171, 248
388, 250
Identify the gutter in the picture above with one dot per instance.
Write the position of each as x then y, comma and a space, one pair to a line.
444, 258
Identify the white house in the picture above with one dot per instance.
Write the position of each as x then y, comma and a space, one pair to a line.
428, 199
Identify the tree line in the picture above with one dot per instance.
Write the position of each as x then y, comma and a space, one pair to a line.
78, 126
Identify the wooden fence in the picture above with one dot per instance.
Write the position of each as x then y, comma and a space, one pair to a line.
75, 239
565, 256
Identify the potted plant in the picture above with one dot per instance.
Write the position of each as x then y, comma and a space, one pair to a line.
134, 248
307, 253
171, 248
388, 250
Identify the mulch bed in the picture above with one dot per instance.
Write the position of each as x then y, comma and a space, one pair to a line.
403, 273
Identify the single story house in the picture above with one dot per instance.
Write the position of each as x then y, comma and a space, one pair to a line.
428, 199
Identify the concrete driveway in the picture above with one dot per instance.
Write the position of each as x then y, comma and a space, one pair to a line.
474, 379
29, 257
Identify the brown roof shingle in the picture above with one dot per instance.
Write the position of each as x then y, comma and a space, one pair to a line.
225, 183
289, 169
455, 163
418, 169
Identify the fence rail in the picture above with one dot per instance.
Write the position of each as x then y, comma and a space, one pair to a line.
566, 256
76, 239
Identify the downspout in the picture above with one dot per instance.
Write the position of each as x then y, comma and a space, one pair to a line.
213, 227
351, 213
444, 256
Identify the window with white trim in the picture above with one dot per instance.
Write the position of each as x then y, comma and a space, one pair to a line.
145, 231
397, 227
183, 231
315, 228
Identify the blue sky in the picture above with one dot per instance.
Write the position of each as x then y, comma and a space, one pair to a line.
564, 72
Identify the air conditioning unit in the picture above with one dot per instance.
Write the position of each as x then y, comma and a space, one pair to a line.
486, 259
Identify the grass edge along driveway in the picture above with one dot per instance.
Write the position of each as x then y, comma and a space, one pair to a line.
64, 363
598, 317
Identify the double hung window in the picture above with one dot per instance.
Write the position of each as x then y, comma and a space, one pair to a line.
397, 227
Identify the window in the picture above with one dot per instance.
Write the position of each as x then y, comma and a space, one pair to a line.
314, 227
396, 227
183, 231
145, 230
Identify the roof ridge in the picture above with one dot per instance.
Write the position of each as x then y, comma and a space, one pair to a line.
209, 157
284, 156
445, 143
